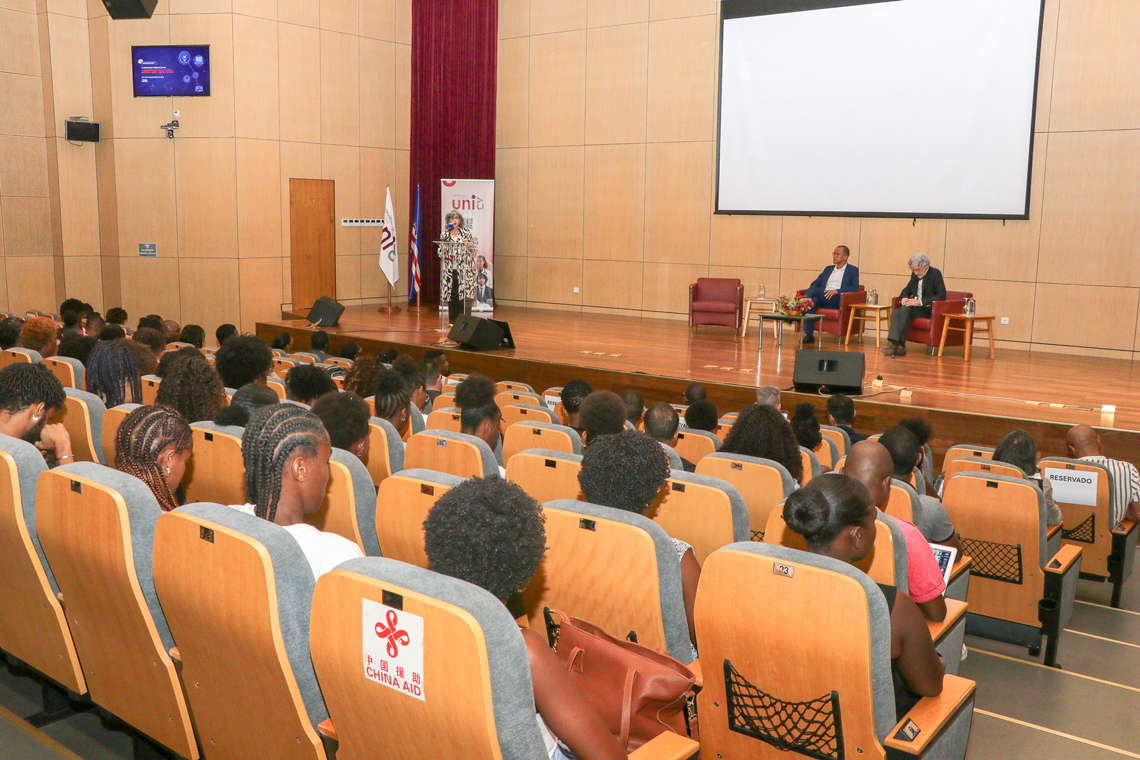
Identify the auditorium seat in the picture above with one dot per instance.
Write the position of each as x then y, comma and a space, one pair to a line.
540, 435
282, 365
385, 450
109, 429
97, 529
277, 385
455, 378
986, 466
402, 505
82, 416
511, 385
305, 357
1018, 591
835, 320
444, 418
349, 507
216, 471
904, 504
827, 454
675, 462
546, 475
1109, 551
33, 625
150, 385
462, 455
810, 465
70, 372
445, 399
416, 421
783, 671
716, 301
19, 356
724, 426
928, 330
762, 482
706, 513
338, 362
694, 445
527, 412
965, 450
236, 591
477, 702
614, 568
839, 437
506, 398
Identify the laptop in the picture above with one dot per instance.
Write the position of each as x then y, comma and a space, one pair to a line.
945, 556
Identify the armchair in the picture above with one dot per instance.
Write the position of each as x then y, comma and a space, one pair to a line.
716, 301
835, 320
928, 330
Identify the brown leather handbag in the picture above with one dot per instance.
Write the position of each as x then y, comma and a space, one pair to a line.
638, 693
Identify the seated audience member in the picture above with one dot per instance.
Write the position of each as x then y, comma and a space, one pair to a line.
805, 426
307, 383
905, 453
835, 280
923, 433
1084, 443
480, 415
170, 330
152, 339
694, 393
194, 335
392, 399
661, 423
350, 351
345, 416
152, 322
320, 344
76, 346
286, 453
406, 367
29, 395
224, 332
634, 407
112, 374
243, 359
836, 517
282, 341
112, 332
573, 394
154, 444
490, 533
768, 395
10, 332
702, 415
166, 361
40, 334
94, 325
116, 315
388, 355
602, 413
72, 304
145, 359
761, 431
439, 356
192, 388
915, 301
433, 380
841, 414
72, 324
628, 471
1020, 450
246, 400
361, 376
870, 464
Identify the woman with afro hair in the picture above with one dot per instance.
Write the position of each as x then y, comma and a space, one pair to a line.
761, 431
192, 388
490, 533
361, 377
628, 471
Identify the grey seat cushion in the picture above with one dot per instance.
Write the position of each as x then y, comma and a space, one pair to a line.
395, 443
674, 457
29, 466
490, 463
34, 356
418, 422
364, 499
432, 476
95, 410
575, 439
740, 526
76, 367
551, 454
234, 430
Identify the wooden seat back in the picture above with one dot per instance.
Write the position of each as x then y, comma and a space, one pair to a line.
810, 466
985, 466
282, 365
698, 514
77, 416
693, 446
10, 356
445, 399
899, 504
216, 471
879, 564
220, 598
150, 385
402, 505
304, 358
837, 436
526, 413
63, 371
761, 485
112, 421
511, 385
507, 398
431, 452
823, 453
379, 460
445, 418
277, 385
1086, 525
339, 512
544, 477
338, 362
966, 451
88, 537
522, 437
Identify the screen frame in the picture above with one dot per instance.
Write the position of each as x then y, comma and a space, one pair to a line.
734, 9
209, 67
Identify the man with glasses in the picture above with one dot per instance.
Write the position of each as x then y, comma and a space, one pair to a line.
925, 287
837, 279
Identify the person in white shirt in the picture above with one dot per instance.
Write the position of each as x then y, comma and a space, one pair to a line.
837, 279
1084, 443
286, 453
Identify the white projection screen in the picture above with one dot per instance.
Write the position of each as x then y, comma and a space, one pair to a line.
911, 108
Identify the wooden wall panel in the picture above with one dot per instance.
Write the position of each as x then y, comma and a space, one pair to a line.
378, 19
84, 278
208, 291
615, 202
665, 287
662, 9
404, 22
548, 16
135, 117
612, 284
145, 182
257, 104
511, 195
20, 53
301, 12
300, 81
886, 245
514, 18
340, 16
809, 241
266, 9
178, 7
554, 280
259, 209
377, 93
512, 105
78, 198
403, 189
1107, 316
30, 282
678, 202
617, 63
1046, 64
71, 62
207, 197
1002, 299
613, 12
25, 113
27, 226
347, 277
212, 116
555, 179
150, 285
377, 174
682, 79
558, 88
23, 166
340, 88
403, 96
510, 277
342, 165
746, 240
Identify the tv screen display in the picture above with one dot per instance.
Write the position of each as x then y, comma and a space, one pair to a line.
164, 70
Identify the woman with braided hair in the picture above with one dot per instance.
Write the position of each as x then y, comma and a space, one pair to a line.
113, 374
286, 453
154, 444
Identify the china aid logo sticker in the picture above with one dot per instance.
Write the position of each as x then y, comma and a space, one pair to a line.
393, 647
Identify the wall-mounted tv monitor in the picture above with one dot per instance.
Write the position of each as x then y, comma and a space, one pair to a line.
165, 70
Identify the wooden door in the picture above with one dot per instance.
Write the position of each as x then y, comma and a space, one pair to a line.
312, 239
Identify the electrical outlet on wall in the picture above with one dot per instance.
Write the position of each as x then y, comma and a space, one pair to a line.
575, 289
1005, 320
177, 113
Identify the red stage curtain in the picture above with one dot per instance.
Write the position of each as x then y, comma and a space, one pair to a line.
454, 69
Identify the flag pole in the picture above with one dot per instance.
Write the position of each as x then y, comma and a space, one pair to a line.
388, 251
389, 309
414, 257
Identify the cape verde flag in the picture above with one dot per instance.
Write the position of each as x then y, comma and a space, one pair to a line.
414, 252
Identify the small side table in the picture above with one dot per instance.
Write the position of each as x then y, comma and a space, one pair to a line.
865, 312
748, 304
970, 325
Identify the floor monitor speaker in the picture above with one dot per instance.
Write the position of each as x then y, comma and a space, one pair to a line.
325, 312
831, 371
480, 334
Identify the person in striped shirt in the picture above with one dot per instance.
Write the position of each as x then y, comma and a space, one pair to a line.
1085, 444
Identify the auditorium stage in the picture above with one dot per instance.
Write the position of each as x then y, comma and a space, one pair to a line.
966, 402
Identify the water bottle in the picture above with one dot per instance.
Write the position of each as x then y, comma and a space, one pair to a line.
760, 293
873, 297
971, 307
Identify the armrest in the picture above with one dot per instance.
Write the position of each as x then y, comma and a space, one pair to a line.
693, 292
961, 566
326, 729
175, 655
1052, 531
329, 740
955, 611
1125, 527
1063, 559
895, 302
59, 596
666, 746
695, 667
852, 298
926, 719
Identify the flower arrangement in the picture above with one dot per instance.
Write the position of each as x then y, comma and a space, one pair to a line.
793, 305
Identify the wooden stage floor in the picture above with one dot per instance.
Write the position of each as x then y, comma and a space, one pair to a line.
1014, 389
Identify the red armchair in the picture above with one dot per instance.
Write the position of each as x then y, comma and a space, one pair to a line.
716, 301
835, 320
928, 330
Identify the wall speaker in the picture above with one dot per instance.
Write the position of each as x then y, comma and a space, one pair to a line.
325, 312
832, 371
480, 334
120, 9
81, 131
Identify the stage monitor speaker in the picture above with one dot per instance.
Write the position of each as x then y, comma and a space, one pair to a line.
78, 130
480, 334
325, 312
120, 9
831, 371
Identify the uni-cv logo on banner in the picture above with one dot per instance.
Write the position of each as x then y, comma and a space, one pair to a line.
393, 648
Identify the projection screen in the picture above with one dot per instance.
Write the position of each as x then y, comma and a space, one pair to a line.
912, 108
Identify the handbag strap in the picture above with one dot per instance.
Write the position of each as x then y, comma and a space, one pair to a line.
627, 705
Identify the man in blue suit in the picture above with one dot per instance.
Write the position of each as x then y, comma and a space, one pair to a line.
837, 279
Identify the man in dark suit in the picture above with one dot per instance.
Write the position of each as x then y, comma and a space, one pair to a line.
837, 279
484, 293
925, 287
